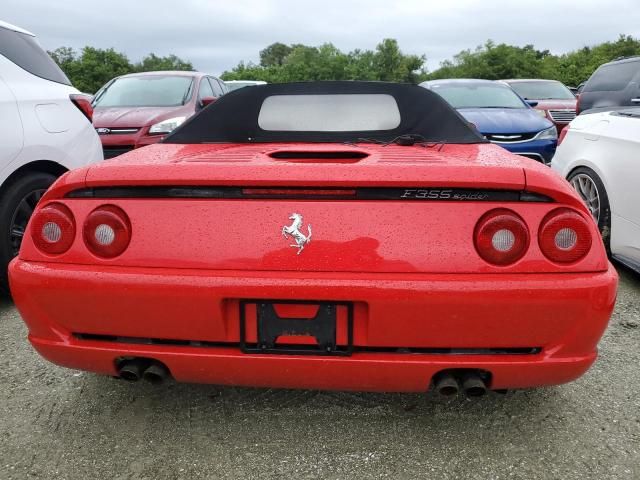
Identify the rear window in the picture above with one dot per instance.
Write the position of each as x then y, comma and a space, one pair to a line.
611, 78
25, 52
329, 113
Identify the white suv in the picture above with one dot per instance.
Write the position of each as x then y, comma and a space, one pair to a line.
45, 131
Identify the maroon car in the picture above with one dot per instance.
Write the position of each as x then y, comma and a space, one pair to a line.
139, 109
552, 98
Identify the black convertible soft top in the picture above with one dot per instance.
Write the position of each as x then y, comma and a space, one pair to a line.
239, 116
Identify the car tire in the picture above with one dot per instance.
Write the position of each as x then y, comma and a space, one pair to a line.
579, 179
17, 202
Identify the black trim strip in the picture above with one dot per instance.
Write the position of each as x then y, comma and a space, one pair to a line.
397, 350
311, 193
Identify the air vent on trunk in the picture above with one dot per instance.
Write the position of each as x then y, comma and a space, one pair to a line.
337, 156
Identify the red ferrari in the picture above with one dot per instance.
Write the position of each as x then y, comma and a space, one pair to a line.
338, 235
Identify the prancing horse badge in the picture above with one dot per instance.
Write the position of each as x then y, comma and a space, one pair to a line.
293, 231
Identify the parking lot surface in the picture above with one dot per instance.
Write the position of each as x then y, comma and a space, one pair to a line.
63, 424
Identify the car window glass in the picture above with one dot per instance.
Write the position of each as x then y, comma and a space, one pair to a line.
614, 77
24, 51
542, 91
217, 91
146, 91
479, 96
329, 113
223, 87
205, 89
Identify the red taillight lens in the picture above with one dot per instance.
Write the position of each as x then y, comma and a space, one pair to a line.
107, 231
53, 229
501, 237
564, 236
83, 102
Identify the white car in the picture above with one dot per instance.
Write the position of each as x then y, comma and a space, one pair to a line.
600, 156
46, 130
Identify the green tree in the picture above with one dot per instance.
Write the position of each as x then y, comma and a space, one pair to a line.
391, 65
495, 61
251, 71
63, 56
274, 54
152, 63
327, 62
96, 66
361, 65
575, 67
93, 67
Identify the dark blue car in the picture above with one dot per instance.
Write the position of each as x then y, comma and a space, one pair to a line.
501, 116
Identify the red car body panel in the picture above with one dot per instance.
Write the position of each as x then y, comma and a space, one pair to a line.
431, 245
560, 112
417, 285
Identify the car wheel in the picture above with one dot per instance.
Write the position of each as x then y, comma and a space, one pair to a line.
17, 203
591, 189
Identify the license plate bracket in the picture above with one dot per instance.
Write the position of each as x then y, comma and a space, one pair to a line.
322, 327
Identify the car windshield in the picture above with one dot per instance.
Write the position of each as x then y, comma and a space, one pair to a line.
146, 91
542, 91
478, 96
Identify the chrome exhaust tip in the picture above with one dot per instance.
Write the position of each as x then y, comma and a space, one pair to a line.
131, 371
156, 374
447, 386
473, 385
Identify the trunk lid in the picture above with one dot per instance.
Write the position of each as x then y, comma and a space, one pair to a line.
367, 209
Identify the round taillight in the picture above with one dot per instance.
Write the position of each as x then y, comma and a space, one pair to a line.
107, 231
564, 236
53, 229
501, 237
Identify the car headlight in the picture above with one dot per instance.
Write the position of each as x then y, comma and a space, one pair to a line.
548, 134
542, 113
168, 125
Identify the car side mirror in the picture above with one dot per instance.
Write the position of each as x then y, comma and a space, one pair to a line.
532, 103
207, 101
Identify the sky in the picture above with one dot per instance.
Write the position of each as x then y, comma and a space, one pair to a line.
216, 35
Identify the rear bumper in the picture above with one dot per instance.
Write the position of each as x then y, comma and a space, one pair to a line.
382, 372
563, 314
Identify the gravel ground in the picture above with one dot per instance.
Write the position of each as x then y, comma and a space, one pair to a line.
58, 423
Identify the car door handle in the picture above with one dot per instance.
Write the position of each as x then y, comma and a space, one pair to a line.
635, 100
